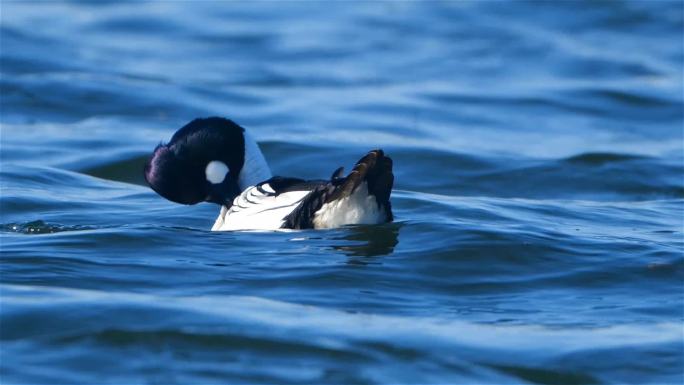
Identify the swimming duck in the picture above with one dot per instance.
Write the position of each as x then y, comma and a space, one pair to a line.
216, 160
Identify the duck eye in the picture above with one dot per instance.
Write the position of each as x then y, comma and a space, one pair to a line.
216, 171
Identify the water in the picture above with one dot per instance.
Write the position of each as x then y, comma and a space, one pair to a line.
538, 153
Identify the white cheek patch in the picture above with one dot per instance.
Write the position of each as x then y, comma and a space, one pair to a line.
216, 171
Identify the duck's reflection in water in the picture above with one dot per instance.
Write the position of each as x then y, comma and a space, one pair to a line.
369, 241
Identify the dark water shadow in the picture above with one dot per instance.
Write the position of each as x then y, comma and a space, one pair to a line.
369, 241
126, 170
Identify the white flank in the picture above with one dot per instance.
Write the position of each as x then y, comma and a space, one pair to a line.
255, 169
253, 210
357, 209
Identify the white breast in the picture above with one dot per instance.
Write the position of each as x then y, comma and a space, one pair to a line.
254, 210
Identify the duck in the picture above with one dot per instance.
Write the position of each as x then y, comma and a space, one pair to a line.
216, 160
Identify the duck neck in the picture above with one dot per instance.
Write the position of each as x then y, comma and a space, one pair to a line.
255, 169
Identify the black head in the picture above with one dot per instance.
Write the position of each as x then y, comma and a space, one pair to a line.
202, 162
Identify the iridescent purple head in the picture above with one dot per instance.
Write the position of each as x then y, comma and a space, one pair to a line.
207, 160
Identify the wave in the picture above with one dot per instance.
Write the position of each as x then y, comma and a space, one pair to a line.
243, 325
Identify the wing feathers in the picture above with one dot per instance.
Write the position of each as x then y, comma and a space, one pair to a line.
293, 203
374, 168
257, 208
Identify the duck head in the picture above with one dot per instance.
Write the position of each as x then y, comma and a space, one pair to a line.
207, 160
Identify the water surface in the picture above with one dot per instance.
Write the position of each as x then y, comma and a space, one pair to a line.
539, 196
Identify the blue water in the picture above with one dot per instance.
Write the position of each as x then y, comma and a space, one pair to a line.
539, 196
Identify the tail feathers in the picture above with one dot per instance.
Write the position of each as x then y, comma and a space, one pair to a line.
374, 168
337, 174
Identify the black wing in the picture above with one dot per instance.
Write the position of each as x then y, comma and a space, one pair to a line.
279, 185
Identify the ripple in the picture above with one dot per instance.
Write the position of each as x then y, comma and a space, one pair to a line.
40, 227
600, 158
